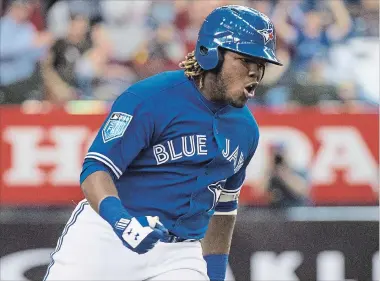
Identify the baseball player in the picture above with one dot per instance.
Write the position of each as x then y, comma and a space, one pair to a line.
163, 175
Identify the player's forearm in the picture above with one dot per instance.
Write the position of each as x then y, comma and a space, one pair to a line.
219, 234
216, 245
98, 186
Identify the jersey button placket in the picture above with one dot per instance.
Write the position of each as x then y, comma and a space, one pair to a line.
215, 124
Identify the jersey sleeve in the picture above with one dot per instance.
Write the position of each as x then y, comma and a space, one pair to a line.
228, 200
125, 132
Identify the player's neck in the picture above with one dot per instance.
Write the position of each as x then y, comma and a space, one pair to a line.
206, 85
200, 83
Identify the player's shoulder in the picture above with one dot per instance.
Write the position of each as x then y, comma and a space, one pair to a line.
252, 129
249, 120
150, 93
246, 113
158, 85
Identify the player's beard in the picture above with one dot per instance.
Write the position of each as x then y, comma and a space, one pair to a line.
220, 90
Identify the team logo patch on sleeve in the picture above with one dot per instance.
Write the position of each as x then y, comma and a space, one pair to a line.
116, 125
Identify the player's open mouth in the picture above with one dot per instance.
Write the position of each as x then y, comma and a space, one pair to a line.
249, 89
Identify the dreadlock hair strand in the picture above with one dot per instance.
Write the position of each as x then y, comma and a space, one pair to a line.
192, 67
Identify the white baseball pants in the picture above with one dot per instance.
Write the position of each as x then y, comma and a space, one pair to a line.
88, 249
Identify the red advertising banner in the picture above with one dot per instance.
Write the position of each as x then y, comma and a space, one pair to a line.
41, 155
339, 152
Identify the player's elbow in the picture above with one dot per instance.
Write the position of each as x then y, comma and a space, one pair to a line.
227, 205
98, 186
96, 181
95, 178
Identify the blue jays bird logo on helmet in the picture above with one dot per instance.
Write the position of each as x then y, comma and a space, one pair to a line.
267, 34
239, 29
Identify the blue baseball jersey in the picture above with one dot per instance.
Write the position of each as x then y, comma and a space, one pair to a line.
171, 152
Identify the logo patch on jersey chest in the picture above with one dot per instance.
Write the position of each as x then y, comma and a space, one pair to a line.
116, 125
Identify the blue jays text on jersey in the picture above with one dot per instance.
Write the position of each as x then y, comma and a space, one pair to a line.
171, 152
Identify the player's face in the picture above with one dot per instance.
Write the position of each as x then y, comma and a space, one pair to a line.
238, 78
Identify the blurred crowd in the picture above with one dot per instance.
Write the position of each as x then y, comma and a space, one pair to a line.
58, 50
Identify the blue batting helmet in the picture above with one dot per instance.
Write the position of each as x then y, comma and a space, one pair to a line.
236, 28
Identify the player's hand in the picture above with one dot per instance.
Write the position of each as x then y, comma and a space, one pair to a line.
141, 234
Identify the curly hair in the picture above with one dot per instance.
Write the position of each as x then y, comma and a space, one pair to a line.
192, 67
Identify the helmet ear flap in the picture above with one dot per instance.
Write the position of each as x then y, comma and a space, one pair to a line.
208, 58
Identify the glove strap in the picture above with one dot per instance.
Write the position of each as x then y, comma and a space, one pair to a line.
216, 266
112, 210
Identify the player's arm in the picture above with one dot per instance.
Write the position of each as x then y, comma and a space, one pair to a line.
98, 186
218, 237
217, 242
216, 245
126, 131
127, 125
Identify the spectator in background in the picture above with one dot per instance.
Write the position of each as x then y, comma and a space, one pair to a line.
352, 63
37, 17
272, 92
190, 15
353, 99
21, 48
311, 35
125, 25
285, 186
59, 67
163, 48
365, 14
98, 76
59, 14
